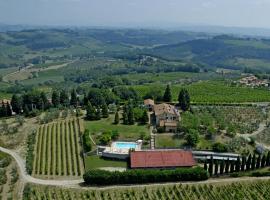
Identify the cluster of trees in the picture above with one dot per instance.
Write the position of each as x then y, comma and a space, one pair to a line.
107, 136
96, 113
102, 177
5, 110
132, 115
251, 162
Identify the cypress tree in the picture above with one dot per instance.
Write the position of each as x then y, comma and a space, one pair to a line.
3, 110
216, 167
268, 159
211, 166
131, 120
116, 118
90, 112
73, 98
248, 165
205, 165
184, 99
263, 162
105, 113
167, 97
227, 166
258, 163
238, 165
243, 163
16, 104
253, 162
55, 99
222, 165
8, 110
64, 100
145, 117
232, 164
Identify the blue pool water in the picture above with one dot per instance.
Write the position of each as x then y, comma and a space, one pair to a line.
125, 145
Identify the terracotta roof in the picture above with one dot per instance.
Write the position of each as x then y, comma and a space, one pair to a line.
165, 108
161, 158
149, 102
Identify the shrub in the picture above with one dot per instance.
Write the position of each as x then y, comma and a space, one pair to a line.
102, 177
30, 152
86, 141
219, 147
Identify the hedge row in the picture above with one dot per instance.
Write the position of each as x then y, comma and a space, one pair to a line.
102, 177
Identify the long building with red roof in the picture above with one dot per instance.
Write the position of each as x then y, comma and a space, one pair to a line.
161, 159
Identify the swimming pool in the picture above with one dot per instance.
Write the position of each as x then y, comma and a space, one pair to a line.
126, 145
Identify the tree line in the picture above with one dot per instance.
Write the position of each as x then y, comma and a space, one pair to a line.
251, 162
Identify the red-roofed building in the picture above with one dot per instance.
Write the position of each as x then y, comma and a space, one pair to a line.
161, 159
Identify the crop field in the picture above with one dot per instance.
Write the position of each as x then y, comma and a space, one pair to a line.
239, 190
58, 150
212, 92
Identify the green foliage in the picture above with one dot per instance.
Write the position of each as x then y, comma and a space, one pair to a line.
90, 112
101, 177
167, 97
116, 118
219, 147
184, 99
31, 140
192, 137
73, 98
87, 144
104, 108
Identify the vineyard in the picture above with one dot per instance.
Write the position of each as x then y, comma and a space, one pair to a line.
210, 92
239, 190
58, 149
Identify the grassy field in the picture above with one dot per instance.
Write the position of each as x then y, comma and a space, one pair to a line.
249, 190
57, 150
95, 162
212, 92
126, 132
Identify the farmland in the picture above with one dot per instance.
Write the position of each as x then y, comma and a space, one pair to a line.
58, 150
237, 190
212, 92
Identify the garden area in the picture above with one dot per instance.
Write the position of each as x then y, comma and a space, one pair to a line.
125, 132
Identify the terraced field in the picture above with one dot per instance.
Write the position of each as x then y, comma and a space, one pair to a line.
58, 150
239, 190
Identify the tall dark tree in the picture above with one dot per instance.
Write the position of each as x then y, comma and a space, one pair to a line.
131, 119
263, 162
8, 110
73, 98
243, 163
211, 165
55, 99
105, 112
116, 118
16, 104
64, 99
248, 165
222, 165
268, 159
3, 110
216, 167
167, 97
232, 167
125, 115
205, 165
253, 162
258, 162
238, 164
227, 166
184, 100
90, 112
43, 101
145, 118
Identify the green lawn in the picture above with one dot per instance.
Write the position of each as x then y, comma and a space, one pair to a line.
166, 141
126, 132
94, 162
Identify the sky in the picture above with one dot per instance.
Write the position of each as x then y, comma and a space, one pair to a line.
152, 13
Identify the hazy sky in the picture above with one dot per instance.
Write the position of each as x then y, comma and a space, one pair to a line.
244, 13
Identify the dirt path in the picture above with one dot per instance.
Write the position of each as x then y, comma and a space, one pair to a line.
27, 178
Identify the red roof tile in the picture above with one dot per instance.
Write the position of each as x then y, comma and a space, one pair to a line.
161, 158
